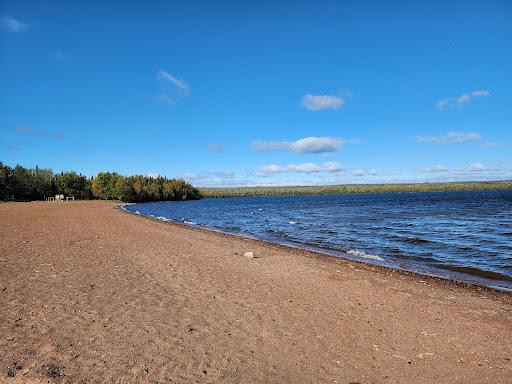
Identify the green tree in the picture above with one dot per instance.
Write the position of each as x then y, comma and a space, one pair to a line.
124, 190
43, 183
6, 182
103, 185
22, 183
71, 184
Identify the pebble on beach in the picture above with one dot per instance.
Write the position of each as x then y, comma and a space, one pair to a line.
249, 255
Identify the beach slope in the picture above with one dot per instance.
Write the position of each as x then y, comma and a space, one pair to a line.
91, 294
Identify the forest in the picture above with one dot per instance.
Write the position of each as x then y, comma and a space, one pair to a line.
24, 184
354, 188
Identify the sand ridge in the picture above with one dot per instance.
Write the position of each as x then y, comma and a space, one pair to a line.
91, 294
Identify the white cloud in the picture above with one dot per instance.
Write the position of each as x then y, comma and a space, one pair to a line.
12, 25
181, 84
300, 168
462, 100
449, 138
153, 175
306, 145
358, 172
320, 102
373, 172
490, 144
476, 167
435, 168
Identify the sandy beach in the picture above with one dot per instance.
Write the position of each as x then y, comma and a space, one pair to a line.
91, 294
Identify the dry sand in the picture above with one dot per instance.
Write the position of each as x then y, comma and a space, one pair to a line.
91, 294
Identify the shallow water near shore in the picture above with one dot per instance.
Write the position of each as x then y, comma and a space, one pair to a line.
459, 235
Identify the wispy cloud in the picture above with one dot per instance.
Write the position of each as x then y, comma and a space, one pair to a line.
217, 178
434, 169
299, 168
61, 57
215, 147
450, 138
321, 102
478, 167
164, 98
171, 88
12, 147
24, 130
181, 84
490, 144
190, 176
27, 131
358, 172
10, 24
153, 175
474, 167
223, 174
305, 145
462, 100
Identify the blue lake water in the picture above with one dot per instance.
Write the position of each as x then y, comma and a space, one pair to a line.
460, 235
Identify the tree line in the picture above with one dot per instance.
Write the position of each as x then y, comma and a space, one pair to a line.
355, 188
20, 183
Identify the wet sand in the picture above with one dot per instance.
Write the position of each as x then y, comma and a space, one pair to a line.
92, 294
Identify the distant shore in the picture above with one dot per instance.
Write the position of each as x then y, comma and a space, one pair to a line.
91, 293
355, 188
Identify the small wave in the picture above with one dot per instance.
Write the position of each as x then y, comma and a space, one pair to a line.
291, 222
277, 232
364, 255
260, 209
137, 212
379, 228
475, 271
413, 240
189, 222
424, 259
162, 218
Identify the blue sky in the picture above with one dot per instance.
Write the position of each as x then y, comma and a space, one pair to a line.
259, 93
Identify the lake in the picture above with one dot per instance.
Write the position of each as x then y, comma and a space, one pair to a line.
464, 236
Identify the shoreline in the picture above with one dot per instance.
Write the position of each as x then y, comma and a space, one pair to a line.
312, 252
90, 294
